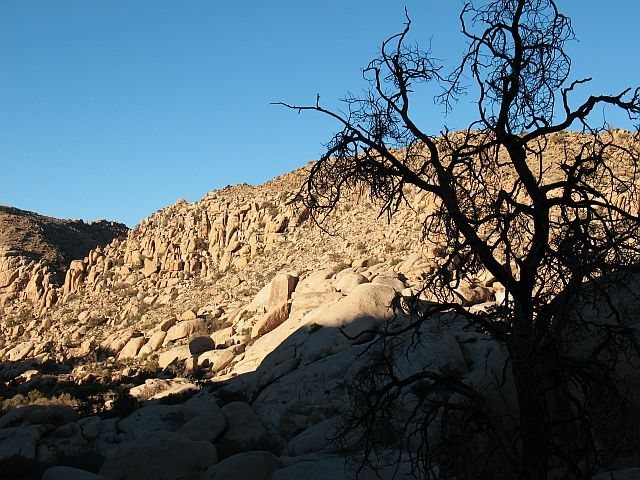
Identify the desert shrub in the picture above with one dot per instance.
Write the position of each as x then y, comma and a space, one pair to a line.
36, 397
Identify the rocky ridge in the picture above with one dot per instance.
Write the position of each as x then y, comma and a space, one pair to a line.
35, 252
229, 329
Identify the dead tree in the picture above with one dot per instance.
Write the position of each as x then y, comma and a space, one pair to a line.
545, 228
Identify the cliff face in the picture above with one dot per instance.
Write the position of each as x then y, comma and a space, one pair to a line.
35, 251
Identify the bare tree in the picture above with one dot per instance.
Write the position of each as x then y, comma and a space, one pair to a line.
548, 229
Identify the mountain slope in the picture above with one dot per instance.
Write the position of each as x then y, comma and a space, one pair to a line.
53, 240
33, 246
232, 329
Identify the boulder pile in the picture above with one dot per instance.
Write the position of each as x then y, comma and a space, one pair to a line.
230, 338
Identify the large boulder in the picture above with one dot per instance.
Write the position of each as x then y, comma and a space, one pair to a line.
489, 372
188, 315
244, 466
207, 426
390, 281
269, 375
175, 354
319, 281
282, 287
66, 441
90, 427
161, 456
154, 343
200, 404
201, 344
244, 432
273, 293
277, 346
20, 351
19, 441
347, 280
317, 438
216, 360
359, 314
185, 329
305, 302
435, 351
150, 267
150, 419
132, 348
223, 336
275, 317
308, 394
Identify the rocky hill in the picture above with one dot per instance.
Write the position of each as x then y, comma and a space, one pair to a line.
224, 339
35, 252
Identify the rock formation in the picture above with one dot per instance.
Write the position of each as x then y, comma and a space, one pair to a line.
222, 338
35, 252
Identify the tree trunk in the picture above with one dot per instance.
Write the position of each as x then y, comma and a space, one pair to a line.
528, 366
534, 428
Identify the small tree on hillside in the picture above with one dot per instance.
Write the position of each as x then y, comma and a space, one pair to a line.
545, 228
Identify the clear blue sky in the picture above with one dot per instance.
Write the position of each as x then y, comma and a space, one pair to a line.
115, 109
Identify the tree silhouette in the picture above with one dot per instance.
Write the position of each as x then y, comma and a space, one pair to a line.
549, 229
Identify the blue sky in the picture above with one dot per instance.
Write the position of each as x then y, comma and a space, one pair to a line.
115, 109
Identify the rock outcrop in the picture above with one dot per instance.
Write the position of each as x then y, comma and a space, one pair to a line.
226, 338
35, 252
